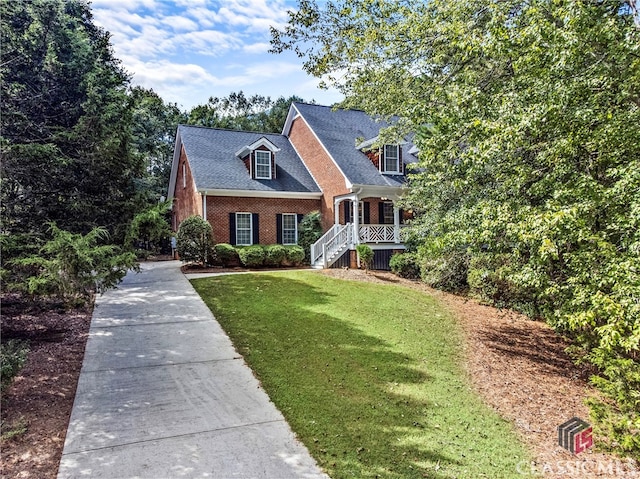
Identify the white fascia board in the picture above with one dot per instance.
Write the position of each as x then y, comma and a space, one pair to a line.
262, 194
174, 165
292, 115
263, 142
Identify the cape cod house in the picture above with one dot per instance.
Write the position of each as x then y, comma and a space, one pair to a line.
254, 188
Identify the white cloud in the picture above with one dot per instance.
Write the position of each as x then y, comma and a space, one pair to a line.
260, 47
179, 23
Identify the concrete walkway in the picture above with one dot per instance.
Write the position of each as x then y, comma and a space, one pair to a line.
163, 394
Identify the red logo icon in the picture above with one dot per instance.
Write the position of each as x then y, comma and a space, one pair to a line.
575, 435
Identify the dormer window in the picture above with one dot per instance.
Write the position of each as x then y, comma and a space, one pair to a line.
391, 159
263, 164
259, 158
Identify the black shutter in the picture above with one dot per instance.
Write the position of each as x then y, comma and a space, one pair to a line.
366, 214
381, 212
381, 158
232, 228
400, 163
400, 215
255, 224
279, 228
347, 211
300, 216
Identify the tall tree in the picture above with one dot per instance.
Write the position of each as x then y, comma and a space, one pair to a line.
65, 121
526, 114
153, 128
238, 112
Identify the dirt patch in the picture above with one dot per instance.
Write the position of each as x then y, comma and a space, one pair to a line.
41, 397
521, 370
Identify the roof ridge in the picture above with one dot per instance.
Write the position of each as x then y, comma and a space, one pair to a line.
229, 129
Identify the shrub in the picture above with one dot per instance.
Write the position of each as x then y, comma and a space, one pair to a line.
365, 253
405, 265
73, 266
446, 270
13, 355
309, 231
194, 240
295, 255
274, 255
226, 254
252, 256
149, 228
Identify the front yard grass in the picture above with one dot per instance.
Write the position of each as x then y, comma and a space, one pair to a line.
368, 376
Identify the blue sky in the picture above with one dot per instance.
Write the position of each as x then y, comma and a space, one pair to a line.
190, 50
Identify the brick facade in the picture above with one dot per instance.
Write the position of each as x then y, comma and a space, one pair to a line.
219, 207
324, 171
186, 200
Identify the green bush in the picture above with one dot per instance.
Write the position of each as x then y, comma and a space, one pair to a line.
226, 254
252, 256
274, 255
309, 231
295, 255
13, 355
73, 266
149, 228
405, 265
194, 240
447, 270
365, 253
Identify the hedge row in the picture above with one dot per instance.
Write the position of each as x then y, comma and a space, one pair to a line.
256, 256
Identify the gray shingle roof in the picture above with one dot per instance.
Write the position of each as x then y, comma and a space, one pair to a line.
214, 164
338, 131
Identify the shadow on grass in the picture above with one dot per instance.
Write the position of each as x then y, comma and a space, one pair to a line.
333, 382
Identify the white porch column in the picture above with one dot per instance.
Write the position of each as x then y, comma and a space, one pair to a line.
336, 212
356, 225
204, 206
396, 224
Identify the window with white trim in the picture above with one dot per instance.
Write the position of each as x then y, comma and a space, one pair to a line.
244, 231
184, 175
263, 164
391, 159
289, 228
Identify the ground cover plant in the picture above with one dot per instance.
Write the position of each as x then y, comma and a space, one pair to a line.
368, 376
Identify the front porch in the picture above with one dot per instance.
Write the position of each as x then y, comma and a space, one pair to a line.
340, 239
353, 226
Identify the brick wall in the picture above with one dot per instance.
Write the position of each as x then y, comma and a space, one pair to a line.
325, 172
186, 201
219, 207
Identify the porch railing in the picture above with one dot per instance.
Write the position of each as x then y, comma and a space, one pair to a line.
379, 234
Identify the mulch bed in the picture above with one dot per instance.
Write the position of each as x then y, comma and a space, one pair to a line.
42, 395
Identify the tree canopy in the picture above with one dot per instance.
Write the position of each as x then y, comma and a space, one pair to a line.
526, 114
65, 121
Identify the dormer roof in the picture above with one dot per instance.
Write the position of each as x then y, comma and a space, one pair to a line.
245, 150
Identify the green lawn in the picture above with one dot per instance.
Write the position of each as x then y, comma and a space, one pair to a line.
368, 376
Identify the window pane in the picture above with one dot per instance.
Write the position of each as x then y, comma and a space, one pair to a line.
391, 157
263, 164
388, 213
289, 229
243, 229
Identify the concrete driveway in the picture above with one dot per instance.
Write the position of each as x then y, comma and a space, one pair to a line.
163, 394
